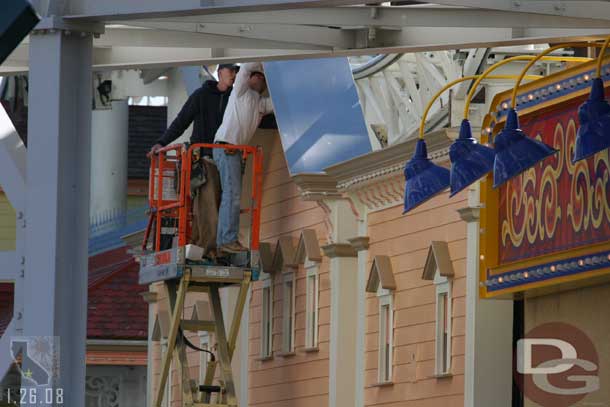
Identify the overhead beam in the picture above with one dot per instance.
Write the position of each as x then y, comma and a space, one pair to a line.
487, 38
173, 38
12, 162
107, 10
428, 16
285, 33
574, 8
407, 41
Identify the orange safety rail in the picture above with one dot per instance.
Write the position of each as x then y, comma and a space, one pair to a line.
162, 168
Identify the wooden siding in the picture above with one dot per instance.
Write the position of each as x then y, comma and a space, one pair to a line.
406, 239
300, 379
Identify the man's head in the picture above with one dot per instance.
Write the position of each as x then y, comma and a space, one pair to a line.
257, 81
226, 74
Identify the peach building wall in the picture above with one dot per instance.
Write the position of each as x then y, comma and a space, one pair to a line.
406, 239
301, 379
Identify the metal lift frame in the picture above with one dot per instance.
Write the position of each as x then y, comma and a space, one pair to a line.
182, 276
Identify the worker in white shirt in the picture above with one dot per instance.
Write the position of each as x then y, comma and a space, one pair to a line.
244, 112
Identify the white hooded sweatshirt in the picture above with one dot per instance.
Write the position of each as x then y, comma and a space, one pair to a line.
245, 109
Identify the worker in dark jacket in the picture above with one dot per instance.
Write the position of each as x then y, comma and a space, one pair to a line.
205, 108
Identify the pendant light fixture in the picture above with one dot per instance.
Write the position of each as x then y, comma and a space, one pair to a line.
593, 135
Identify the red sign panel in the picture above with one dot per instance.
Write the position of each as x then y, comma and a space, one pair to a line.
556, 205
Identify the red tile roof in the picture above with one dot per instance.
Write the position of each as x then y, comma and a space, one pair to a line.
115, 309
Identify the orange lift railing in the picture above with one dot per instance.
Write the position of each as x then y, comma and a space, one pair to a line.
165, 258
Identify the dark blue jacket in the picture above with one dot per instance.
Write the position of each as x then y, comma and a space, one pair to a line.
205, 109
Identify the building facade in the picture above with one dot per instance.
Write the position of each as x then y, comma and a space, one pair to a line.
358, 304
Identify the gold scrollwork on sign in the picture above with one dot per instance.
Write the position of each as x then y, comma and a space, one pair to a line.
530, 212
588, 206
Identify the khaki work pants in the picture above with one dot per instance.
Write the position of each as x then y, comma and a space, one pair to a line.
205, 210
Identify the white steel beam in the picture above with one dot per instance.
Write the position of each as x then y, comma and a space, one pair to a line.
57, 201
471, 66
12, 162
95, 10
428, 16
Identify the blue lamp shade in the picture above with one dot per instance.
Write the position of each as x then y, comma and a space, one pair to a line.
469, 160
424, 179
593, 135
515, 151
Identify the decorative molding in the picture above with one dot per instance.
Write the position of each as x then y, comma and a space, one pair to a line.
470, 213
284, 253
359, 243
308, 247
376, 179
438, 259
381, 193
339, 250
381, 274
315, 187
103, 391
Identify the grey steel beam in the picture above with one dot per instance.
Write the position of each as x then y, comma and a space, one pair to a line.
285, 33
95, 10
428, 16
173, 38
422, 40
574, 8
57, 202
387, 42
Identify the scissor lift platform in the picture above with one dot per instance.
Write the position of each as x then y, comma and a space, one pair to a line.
171, 264
183, 274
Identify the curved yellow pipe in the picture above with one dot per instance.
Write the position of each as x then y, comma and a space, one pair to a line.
453, 83
498, 64
543, 54
600, 58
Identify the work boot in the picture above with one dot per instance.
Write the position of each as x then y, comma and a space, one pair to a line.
211, 255
233, 247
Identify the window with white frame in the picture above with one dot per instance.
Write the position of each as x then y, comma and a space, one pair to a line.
386, 334
267, 319
311, 313
204, 357
288, 312
443, 324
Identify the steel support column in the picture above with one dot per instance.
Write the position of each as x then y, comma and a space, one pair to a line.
57, 202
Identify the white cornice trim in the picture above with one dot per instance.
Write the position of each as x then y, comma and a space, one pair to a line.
376, 178
388, 162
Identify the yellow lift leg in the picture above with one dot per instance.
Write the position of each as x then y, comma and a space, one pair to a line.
177, 291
